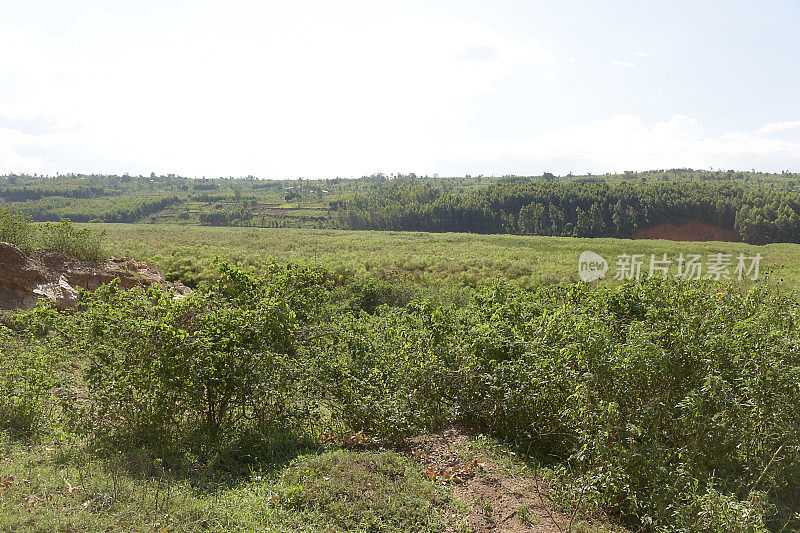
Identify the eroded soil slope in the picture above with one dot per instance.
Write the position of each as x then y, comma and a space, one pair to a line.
25, 278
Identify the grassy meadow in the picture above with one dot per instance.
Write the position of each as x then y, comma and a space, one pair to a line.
431, 259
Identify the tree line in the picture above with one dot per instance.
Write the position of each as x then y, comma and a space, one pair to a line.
581, 208
759, 207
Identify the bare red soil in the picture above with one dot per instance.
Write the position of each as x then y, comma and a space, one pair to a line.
689, 231
497, 501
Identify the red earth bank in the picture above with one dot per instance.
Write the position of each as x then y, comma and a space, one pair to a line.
690, 231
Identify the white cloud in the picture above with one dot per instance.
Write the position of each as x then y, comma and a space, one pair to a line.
774, 127
627, 142
261, 88
625, 64
640, 54
286, 89
34, 125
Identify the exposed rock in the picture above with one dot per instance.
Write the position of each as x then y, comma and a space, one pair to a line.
24, 279
61, 292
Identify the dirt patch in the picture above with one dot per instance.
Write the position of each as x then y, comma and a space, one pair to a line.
26, 278
689, 231
497, 501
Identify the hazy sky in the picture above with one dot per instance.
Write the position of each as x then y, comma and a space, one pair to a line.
346, 88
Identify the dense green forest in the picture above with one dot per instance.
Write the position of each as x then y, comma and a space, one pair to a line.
759, 207
580, 208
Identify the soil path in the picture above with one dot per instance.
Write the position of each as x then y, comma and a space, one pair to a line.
497, 501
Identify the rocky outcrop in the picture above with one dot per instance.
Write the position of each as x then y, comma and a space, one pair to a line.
24, 279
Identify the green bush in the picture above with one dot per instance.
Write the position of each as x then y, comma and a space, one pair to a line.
367, 294
27, 378
649, 395
65, 238
214, 362
16, 229
62, 236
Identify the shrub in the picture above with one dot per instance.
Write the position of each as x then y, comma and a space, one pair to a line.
387, 375
65, 238
218, 360
16, 229
647, 395
367, 294
62, 236
26, 382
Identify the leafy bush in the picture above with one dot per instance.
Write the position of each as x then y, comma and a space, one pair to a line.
16, 229
62, 236
368, 294
654, 395
218, 360
26, 382
65, 238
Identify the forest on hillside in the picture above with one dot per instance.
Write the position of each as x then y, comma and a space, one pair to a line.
576, 209
759, 207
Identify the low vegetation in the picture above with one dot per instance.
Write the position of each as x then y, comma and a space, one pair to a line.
60, 236
439, 261
63, 487
667, 405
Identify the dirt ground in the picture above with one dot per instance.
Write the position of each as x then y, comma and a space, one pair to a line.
25, 278
497, 501
690, 231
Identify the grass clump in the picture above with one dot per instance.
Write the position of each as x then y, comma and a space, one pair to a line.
62, 236
362, 491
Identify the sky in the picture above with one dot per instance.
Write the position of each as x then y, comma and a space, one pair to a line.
319, 89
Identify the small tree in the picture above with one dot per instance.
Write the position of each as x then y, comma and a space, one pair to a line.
210, 362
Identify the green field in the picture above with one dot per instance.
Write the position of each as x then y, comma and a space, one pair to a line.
429, 258
337, 380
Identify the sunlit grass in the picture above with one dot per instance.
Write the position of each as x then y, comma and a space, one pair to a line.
63, 486
425, 258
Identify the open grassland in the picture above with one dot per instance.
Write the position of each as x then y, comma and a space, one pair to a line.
432, 259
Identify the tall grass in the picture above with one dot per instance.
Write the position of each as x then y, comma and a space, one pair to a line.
428, 259
63, 237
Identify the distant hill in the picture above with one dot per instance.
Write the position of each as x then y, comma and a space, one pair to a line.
753, 207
